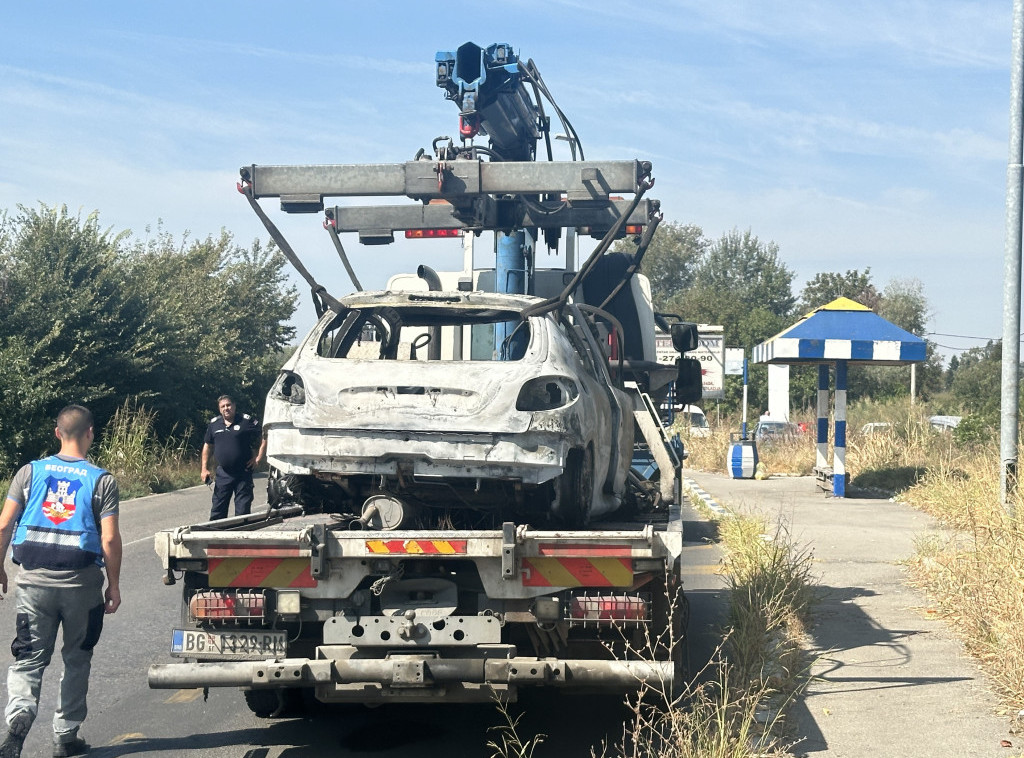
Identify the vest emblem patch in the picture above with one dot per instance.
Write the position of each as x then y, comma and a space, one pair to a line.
59, 504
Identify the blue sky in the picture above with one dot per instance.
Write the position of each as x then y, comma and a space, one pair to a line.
856, 134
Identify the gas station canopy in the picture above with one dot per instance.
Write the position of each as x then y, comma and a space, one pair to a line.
840, 333
843, 330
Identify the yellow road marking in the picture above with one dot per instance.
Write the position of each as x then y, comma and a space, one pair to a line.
703, 568
185, 696
122, 738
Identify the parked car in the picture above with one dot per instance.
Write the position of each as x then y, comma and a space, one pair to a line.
694, 419
944, 423
771, 430
409, 397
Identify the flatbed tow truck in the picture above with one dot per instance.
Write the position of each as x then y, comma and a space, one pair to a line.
361, 583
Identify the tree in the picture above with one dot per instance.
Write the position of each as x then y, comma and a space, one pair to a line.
67, 320
742, 273
90, 319
827, 286
222, 310
671, 262
742, 284
904, 304
977, 381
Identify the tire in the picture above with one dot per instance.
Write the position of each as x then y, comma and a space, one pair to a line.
575, 489
272, 703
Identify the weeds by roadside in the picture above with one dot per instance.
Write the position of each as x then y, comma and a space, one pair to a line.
508, 743
974, 573
143, 464
736, 706
892, 460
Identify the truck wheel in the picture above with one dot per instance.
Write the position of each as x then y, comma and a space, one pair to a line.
272, 703
576, 489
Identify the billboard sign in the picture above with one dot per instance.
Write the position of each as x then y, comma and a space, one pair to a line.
734, 361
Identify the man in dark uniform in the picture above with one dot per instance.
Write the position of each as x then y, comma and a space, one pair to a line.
230, 439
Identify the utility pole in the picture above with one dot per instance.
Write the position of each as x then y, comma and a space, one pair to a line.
1011, 270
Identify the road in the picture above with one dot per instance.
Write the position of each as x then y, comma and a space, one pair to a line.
128, 719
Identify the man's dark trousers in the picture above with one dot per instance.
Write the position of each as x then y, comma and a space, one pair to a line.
226, 484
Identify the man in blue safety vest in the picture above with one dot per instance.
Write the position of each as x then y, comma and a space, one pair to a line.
61, 515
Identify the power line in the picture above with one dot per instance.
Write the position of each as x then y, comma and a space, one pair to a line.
967, 336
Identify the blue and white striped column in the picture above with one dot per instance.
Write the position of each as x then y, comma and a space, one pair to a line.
821, 459
839, 453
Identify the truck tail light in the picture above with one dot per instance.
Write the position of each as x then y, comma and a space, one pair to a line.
608, 609
431, 233
228, 605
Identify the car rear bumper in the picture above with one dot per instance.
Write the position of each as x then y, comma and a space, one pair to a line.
532, 458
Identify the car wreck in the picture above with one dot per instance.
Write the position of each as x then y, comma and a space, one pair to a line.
410, 408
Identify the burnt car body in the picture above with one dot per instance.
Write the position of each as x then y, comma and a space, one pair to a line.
405, 409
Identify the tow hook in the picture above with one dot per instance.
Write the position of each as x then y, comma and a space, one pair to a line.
410, 630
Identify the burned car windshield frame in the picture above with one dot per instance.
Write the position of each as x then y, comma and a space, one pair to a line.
363, 328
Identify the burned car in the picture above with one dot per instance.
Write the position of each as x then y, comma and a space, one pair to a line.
425, 409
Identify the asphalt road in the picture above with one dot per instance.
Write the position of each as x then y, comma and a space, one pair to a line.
129, 719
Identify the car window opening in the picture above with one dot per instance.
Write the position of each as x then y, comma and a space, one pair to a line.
421, 335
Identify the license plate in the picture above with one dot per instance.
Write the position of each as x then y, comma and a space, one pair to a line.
254, 645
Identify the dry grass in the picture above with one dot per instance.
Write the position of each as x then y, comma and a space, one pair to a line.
893, 460
793, 455
736, 707
141, 463
975, 573
718, 720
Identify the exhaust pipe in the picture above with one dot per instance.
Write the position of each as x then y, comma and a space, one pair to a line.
427, 274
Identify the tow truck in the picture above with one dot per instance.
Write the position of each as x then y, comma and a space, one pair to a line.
471, 490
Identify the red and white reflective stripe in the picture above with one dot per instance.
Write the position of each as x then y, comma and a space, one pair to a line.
577, 572
416, 547
260, 572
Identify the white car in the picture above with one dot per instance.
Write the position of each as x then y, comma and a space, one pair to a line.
406, 409
944, 423
694, 418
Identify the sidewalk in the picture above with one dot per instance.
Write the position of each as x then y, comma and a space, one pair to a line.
890, 681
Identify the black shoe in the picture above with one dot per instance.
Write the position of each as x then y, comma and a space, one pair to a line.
16, 731
77, 746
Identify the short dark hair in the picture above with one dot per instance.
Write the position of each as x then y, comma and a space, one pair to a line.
74, 421
224, 397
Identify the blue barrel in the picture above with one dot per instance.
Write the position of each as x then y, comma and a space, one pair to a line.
742, 460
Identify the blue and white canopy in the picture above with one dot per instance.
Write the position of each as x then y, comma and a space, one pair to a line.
843, 330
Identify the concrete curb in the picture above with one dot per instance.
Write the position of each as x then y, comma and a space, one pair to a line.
696, 490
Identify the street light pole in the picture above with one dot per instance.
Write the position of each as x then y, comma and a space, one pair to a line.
1012, 269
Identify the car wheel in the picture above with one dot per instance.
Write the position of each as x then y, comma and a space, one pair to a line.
575, 489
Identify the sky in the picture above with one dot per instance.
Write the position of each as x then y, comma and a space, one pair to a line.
862, 134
